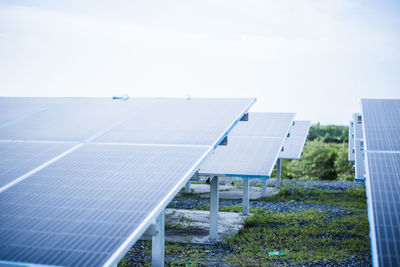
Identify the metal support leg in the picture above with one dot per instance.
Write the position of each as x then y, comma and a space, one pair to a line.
245, 208
214, 205
158, 242
187, 187
278, 173
263, 188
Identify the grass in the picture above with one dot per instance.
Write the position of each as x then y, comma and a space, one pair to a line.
305, 236
353, 198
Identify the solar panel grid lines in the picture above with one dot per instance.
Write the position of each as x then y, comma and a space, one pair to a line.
351, 149
359, 159
244, 156
383, 125
16, 109
381, 119
259, 124
91, 189
384, 206
294, 143
17, 158
253, 147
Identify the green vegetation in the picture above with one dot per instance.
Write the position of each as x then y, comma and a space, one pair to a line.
352, 199
320, 161
305, 236
324, 157
329, 133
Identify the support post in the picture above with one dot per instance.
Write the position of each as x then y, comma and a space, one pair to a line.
245, 208
158, 242
278, 173
263, 188
187, 187
214, 206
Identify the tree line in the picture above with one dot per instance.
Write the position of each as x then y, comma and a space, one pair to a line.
324, 156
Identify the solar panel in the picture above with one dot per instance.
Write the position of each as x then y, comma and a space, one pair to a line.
264, 124
17, 158
252, 149
90, 203
14, 109
358, 130
359, 160
75, 120
294, 143
382, 125
384, 180
351, 150
80, 209
167, 124
382, 151
251, 157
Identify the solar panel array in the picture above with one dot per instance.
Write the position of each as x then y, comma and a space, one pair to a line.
78, 190
253, 147
357, 147
294, 143
382, 146
351, 142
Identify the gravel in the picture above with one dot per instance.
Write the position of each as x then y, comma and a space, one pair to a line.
326, 185
216, 253
181, 203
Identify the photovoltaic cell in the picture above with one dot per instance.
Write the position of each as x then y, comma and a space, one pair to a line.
17, 158
265, 124
351, 150
359, 159
80, 209
384, 176
14, 109
382, 123
75, 120
166, 123
253, 147
294, 143
358, 130
381, 120
244, 156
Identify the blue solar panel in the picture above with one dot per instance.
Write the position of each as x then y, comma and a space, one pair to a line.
381, 120
351, 150
265, 124
294, 143
382, 123
87, 205
165, 123
359, 160
384, 181
17, 158
80, 209
253, 147
75, 120
14, 109
244, 156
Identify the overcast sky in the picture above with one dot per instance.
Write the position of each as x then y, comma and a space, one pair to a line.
316, 58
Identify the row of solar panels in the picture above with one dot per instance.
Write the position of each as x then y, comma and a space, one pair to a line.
380, 160
81, 179
356, 146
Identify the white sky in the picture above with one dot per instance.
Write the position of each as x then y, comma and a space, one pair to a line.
316, 58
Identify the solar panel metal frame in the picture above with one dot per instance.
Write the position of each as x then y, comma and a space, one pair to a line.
163, 203
351, 142
371, 215
241, 131
301, 138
